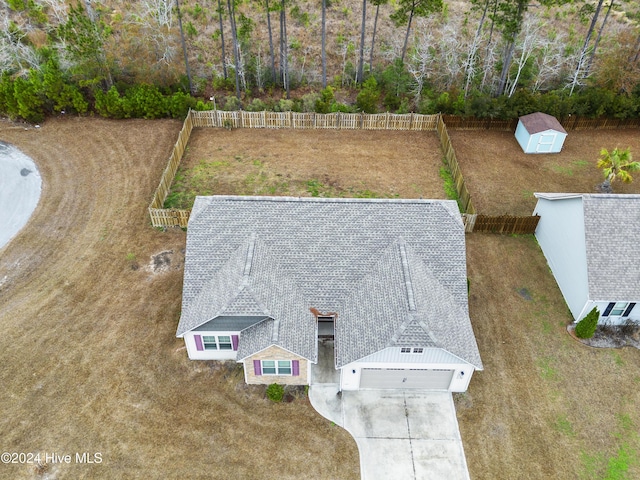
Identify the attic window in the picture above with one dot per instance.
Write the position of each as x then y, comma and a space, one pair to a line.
411, 350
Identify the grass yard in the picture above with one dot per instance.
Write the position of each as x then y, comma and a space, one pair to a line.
502, 179
89, 361
325, 163
90, 300
545, 406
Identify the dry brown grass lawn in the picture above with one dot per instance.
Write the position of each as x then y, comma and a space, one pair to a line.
545, 406
502, 179
89, 361
349, 163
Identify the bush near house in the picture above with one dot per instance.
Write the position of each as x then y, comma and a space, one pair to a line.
275, 392
587, 326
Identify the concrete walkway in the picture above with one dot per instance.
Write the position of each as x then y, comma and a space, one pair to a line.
400, 434
20, 187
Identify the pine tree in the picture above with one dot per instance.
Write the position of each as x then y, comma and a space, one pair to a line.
587, 326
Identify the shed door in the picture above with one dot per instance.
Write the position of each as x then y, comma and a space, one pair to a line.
545, 144
405, 378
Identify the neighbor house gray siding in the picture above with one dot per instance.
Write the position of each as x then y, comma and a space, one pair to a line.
560, 234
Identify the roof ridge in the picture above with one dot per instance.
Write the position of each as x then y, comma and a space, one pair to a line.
249, 259
266, 198
407, 274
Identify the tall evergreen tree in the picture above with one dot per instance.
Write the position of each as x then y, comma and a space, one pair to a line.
271, 51
85, 45
377, 3
509, 17
360, 73
582, 58
324, 44
407, 9
224, 55
184, 48
234, 39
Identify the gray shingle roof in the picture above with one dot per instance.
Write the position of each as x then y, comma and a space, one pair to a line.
384, 311
339, 255
612, 232
540, 122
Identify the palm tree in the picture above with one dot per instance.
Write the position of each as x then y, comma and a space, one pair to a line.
616, 164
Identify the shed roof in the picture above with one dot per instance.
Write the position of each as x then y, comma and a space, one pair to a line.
541, 122
394, 270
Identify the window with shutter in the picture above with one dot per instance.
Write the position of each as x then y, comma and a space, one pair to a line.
627, 312
607, 310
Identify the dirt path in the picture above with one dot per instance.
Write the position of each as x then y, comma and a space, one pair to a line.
90, 362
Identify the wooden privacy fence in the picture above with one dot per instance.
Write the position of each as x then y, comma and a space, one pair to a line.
338, 120
464, 197
173, 217
500, 224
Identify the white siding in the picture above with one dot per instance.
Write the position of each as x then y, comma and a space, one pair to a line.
522, 136
429, 355
432, 358
529, 143
194, 354
619, 320
560, 234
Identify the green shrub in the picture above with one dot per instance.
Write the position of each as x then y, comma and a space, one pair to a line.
256, 105
309, 101
179, 103
109, 104
275, 392
285, 105
587, 326
231, 103
28, 96
327, 98
367, 99
144, 101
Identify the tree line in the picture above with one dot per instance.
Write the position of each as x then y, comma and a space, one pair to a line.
493, 58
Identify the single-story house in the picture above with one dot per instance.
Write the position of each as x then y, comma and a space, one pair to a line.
540, 133
590, 242
386, 278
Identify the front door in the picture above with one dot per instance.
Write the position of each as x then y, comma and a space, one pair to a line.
326, 327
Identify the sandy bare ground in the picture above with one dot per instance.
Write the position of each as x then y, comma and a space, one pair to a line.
88, 354
327, 163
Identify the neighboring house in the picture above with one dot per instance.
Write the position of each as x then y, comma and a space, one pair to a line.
591, 244
266, 276
540, 133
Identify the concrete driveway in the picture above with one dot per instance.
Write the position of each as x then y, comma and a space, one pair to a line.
20, 187
400, 434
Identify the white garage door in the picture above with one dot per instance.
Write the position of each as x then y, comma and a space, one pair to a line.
406, 378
